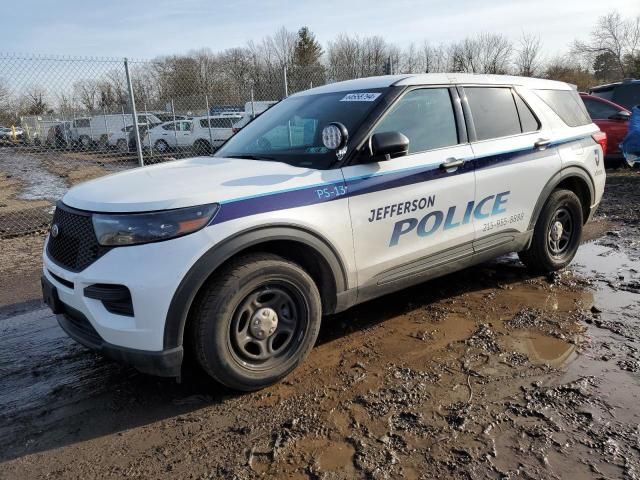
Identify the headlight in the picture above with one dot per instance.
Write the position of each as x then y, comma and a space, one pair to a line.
115, 229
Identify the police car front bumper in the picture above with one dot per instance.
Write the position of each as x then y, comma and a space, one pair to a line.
165, 363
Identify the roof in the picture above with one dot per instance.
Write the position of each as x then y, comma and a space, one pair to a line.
436, 79
615, 84
604, 100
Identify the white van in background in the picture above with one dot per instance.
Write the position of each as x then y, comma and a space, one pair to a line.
88, 131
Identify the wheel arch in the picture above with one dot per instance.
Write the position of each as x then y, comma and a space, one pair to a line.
311, 251
576, 179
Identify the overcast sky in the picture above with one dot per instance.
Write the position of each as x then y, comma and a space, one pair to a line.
145, 29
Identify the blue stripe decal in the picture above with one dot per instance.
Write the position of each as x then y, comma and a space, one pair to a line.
361, 185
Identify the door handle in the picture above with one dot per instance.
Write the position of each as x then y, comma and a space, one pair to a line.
542, 143
452, 163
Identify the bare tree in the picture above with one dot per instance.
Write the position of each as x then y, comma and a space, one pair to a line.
355, 57
4, 92
485, 53
567, 69
616, 36
86, 93
528, 59
434, 59
283, 46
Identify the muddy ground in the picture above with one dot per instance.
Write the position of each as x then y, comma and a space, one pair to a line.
487, 373
32, 180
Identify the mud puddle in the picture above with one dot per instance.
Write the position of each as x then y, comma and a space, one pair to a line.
37, 182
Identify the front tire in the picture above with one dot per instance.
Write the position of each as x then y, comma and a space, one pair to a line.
255, 321
161, 146
557, 234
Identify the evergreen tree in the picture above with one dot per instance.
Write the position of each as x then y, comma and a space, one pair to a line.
308, 50
306, 71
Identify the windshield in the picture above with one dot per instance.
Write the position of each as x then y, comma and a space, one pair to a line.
291, 131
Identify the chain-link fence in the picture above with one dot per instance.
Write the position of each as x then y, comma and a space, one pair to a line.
67, 120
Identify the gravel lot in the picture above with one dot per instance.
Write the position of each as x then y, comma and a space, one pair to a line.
487, 373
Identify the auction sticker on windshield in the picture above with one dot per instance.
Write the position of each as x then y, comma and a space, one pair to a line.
360, 97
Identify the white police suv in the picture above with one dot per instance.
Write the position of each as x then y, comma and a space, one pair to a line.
334, 196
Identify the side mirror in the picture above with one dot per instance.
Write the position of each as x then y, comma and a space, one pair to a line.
388, 145
622, 116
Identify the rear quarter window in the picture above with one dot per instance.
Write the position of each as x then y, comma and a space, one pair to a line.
567, 104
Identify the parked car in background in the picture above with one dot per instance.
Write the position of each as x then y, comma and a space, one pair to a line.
5, 133
625, 93
125, 139
11, 134
168, 136
168, 116
612, 119
201, 134
211, 132
91, 131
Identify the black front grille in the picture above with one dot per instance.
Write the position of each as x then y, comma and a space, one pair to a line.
75, 246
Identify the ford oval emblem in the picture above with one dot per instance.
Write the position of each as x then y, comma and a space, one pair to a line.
55, 230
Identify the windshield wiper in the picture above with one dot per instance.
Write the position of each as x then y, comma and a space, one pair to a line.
251, 157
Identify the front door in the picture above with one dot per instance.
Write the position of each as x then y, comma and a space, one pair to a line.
185, 134
411, 214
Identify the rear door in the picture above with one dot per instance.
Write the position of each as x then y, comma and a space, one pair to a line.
514, 161
409, 214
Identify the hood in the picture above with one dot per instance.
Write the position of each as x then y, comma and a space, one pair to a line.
183, 183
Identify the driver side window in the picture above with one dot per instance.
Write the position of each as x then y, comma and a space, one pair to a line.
425, 117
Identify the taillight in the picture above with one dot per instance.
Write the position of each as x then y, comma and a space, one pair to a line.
601, 139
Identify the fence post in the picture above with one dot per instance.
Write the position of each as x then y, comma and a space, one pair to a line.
134, 112
175, 125
106, 130
124, 129
253, 108
206, 100
286, 87
146, 122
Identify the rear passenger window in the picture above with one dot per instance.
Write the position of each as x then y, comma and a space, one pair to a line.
567, 104
426, 117
528, 120
494, 112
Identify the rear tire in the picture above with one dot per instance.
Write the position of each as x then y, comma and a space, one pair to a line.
255, 321
84, 143
557, 234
